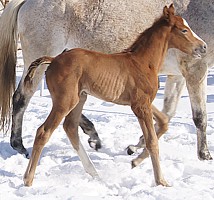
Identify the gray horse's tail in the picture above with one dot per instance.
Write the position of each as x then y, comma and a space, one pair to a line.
33, 67
8, 48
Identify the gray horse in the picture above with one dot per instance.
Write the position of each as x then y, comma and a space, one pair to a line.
47, 27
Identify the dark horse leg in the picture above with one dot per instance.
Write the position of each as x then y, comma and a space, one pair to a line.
88, 128
21, 99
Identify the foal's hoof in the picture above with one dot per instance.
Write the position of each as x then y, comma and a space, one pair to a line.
135, 162
95, 144
163, 183
131, 149
27, 183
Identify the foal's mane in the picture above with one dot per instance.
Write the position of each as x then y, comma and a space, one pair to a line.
143, 38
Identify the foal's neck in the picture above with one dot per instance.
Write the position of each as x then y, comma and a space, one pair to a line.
153, 46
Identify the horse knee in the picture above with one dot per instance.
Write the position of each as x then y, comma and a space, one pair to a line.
199, 119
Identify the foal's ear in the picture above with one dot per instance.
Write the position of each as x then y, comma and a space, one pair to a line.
165, 11
168, 12
172, 9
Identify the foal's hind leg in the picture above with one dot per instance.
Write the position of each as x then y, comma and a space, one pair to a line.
21, 99
42, 136
71, 128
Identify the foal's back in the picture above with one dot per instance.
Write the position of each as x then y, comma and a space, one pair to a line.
111, 77
102, 75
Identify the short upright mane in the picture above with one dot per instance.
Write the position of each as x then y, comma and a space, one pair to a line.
144, 36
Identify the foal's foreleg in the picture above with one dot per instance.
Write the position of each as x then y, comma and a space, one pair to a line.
144, 115
42, 136
161, 127
70, 126
173, 88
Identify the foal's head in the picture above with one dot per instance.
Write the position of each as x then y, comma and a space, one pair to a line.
181, 36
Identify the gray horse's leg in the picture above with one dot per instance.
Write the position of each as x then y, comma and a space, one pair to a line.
21, 99
197, 91
20, 103
173, 88
88, 128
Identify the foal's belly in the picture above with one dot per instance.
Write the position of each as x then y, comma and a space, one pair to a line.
109, 88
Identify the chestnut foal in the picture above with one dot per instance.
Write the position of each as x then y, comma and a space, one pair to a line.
126, 78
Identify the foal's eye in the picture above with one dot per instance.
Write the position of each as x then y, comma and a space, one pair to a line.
184, 31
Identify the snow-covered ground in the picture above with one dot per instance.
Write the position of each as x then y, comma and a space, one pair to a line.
60, 174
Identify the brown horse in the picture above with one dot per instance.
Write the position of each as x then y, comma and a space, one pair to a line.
126, 78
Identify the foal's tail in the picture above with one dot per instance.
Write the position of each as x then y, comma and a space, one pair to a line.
33, 67
8, 48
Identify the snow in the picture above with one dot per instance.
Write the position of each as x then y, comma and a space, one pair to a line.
60, 175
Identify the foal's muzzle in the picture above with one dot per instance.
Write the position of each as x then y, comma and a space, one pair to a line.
200, 50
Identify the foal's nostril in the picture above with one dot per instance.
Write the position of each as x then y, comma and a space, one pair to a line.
200, 50
203, 48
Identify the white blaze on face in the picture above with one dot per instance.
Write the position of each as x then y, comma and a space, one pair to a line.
196, 36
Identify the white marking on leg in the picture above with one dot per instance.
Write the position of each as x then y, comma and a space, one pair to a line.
86, 161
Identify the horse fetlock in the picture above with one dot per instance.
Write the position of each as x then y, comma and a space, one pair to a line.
16, 144
28, 178
133, 148
135, 162
204, 155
